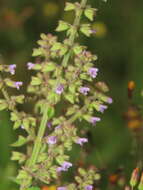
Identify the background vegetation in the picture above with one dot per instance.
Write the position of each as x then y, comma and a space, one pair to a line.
119, 46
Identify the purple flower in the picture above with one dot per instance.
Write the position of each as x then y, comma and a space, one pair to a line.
93, 72
93, 120
64, 167
61, 188
59, 89
88, 187
109, 100
57, 127
30, 65
84, 90
18, 84
81, 141
12, 69
52, 140
102, 108
49, 125
93, 31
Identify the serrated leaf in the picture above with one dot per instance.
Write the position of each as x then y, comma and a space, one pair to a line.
62, 26
89, 13
22, 175
69, 6
86, 30
36, 81
21, 141
19, 99
18, 156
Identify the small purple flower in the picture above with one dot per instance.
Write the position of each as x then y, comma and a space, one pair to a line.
30, 65
61, 188
102, 108
110, 100
88, 187
49, 125
52, 140
12, 69
93, 31
93, 72
18, 84
84, 90
81, 141
93, 120
64, 167
59, 89
57, 127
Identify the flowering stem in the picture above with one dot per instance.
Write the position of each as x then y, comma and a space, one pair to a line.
74, 33
37, 146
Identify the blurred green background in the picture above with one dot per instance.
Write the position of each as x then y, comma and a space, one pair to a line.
119, 46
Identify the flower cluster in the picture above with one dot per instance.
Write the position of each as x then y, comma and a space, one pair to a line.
65, 91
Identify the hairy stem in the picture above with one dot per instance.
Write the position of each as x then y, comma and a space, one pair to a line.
74, 34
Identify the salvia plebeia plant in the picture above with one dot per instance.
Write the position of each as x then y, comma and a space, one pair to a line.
65, 92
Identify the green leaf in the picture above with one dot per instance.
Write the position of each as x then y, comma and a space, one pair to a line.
56, 46
37, 67
89, 13
22, 175
70, 98
17, 124
51, 112
50, 66
60, 159
21, 141
63, 50
19, 99
77, 49
43, 36
69, 6
86, 30
72, 88
36, 81
14, 116
26, 123
3, 104
9, 83
37, 52
18, 156
62, 26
